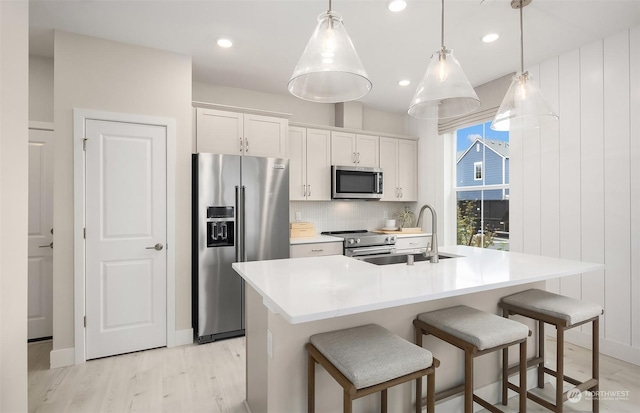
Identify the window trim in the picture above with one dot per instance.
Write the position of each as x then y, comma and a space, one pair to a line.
475, 171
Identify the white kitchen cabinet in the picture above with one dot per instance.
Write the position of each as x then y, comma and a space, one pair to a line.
237, 133
399, 163
310, 164
354, 149
412, 244
315, 249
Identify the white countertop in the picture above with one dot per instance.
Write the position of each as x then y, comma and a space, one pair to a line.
316, 239
317, 288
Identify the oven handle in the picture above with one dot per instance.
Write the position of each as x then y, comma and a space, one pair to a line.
366, 251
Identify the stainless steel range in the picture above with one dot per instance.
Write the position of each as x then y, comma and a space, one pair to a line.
362, 243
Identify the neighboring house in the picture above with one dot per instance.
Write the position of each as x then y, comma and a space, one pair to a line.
478, 167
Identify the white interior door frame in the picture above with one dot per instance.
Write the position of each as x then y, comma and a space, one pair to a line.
80, 116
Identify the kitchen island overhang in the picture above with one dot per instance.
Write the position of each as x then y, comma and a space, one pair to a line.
289, 300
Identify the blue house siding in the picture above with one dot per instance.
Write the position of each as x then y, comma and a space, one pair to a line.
493, 165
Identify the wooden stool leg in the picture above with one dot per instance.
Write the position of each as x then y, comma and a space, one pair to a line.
346, 403
595, 364
559, 368
523, 377
505, 375
468, 382
431, 393
419, 393
541, 339
311, 384
383, 401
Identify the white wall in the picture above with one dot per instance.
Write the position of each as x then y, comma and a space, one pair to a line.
40, 89
97, 74
575, 185
14, 23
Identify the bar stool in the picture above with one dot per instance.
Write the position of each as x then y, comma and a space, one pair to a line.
370, 359
564, 313
476, 333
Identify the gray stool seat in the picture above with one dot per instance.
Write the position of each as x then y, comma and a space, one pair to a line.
569, 309
371, 354
483, 330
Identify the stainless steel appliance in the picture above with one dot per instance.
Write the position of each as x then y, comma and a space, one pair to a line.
362, 243
240, 213
356, 182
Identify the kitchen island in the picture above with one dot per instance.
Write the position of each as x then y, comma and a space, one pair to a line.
289, 300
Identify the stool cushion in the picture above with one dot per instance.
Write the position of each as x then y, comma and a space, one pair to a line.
483, 330
569, 309
371, 354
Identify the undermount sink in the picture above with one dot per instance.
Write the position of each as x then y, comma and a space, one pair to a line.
399, 259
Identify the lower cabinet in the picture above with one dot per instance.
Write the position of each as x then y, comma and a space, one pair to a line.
315, 249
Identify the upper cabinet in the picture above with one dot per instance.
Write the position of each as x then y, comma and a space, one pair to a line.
399, 163
236, 133
354, 149
310, 164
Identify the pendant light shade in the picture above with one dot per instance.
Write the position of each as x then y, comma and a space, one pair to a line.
444, 91
330, 70
524, 106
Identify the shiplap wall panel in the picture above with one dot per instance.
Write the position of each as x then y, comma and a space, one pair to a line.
570, 178
531, 183
617, 185
516, 220
634, 64
550, 170
592, 169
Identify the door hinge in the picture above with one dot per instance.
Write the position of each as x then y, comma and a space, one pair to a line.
85, 321
84, 144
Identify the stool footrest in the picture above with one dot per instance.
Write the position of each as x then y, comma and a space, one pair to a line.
542, 402
486, 405
449, 392
571, 380
582, 387
530, 363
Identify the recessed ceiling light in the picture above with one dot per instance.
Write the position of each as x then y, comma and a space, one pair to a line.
226, 43
490, 38
404, 82
396, 5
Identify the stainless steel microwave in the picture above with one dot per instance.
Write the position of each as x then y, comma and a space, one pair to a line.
356, 182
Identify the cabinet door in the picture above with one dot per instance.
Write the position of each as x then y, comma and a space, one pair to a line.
318, 165
368, 150
343, 148
218, 131
315, 249
297, 163
408, 170
389, 165
265, 136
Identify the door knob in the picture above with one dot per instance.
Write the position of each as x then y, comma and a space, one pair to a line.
46, 246
157, 247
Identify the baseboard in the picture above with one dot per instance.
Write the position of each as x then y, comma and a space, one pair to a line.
62, 358
183, 337
491, 393
607, 347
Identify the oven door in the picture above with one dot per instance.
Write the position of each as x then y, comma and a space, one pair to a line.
367, 252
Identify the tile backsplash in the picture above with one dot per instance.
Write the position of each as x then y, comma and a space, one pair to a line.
346, 215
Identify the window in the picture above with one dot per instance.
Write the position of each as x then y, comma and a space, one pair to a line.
477, 171
482, 187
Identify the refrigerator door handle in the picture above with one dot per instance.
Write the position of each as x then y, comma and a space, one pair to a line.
243, 217
239, 239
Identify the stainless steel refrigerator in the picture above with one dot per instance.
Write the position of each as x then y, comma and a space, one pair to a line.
240, 213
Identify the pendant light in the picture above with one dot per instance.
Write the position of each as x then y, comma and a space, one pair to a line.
444, 91
523, 107
329, 70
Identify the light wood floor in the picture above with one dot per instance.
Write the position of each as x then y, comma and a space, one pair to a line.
211, 378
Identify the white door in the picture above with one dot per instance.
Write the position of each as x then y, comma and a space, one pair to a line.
125, 237
40, 267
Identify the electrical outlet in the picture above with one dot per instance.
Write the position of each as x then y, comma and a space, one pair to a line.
298, 216
269, 343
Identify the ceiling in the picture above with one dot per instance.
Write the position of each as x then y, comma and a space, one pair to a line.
269, 36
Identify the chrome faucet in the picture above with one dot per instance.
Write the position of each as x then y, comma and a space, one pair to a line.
432, 254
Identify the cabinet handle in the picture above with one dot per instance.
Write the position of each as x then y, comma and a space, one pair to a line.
401, 193
353, 157
397, 192
318, 250
308, 190
246, 145
304, 190
240, 145
358, 157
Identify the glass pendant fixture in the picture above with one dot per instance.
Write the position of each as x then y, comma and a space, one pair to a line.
329, 70
523, 106
444, 91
